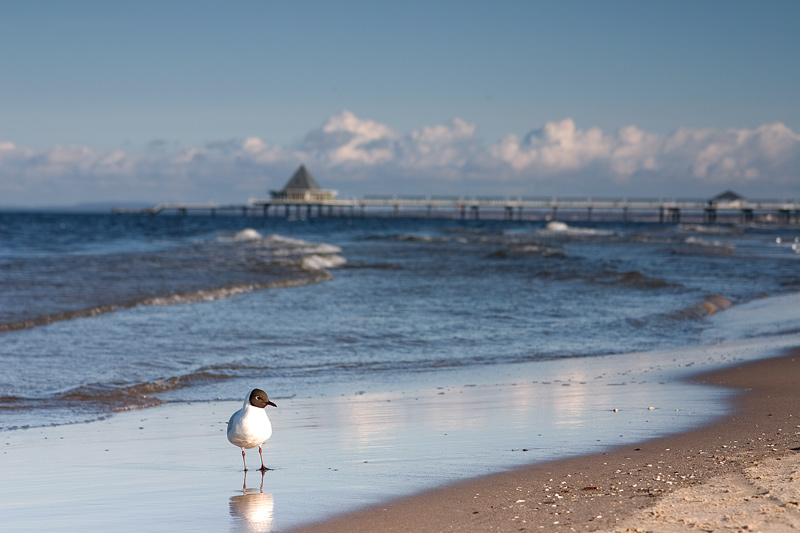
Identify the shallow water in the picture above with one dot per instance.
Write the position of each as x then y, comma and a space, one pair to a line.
105, 313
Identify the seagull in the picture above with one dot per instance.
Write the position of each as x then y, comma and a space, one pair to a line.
249, 426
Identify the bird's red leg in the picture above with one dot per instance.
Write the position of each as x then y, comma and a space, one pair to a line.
243, 460
263, 468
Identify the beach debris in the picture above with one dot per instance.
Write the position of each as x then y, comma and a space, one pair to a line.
650, 408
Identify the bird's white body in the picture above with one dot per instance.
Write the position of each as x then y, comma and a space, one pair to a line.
249, 426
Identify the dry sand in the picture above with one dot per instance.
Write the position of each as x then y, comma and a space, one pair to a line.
741, 473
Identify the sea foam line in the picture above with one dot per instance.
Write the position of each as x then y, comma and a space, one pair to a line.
202, 295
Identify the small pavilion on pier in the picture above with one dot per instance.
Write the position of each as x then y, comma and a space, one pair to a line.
303, 188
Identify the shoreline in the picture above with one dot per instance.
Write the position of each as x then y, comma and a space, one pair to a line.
336, 458
739, 472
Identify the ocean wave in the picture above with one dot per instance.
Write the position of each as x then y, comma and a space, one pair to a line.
706, 229
373, 266
710, 305
209, 269
529, 249
321, 262
696, 241
410, 237
636, 278
698, 246
315, 275
556, 226
219, 293
561, 228
136, 396
279, 245
57, 317
95, 401
247, 234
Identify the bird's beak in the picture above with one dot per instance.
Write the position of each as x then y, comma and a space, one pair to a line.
272, 404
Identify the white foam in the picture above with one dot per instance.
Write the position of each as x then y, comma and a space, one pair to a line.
556, 226
705, 228
320, 262
280, 239
287, 246
711, 244
206, 295
324, 248
247, 234
559, 227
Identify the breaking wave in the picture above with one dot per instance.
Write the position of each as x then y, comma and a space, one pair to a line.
698, 246
203, 295
247, 234
94, 401
137, 396
230, 265
637, 278
711, 305
529, 249
561, 228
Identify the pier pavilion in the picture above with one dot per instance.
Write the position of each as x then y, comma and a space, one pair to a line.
302, 187
301, 190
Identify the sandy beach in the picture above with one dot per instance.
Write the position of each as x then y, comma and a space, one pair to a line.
740, 473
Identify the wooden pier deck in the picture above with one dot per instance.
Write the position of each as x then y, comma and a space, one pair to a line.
665, 210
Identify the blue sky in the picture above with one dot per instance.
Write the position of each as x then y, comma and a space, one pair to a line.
191, 101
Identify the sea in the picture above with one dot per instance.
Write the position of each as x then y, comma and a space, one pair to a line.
103, 313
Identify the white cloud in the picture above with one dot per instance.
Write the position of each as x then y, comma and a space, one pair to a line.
557, 158
257, 152
452, 145
556, 147
769, 152
347, 139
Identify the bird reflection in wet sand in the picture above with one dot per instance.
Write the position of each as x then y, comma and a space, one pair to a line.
252, 509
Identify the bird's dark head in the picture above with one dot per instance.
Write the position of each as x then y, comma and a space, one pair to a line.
259, 398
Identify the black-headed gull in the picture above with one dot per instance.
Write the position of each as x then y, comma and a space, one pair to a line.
249, 426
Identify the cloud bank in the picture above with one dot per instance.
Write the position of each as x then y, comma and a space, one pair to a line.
361, 156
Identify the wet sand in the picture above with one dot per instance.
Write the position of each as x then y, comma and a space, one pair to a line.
740, 473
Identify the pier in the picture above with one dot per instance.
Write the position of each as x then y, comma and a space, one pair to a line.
183, 209
520, 208
302, 197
